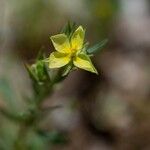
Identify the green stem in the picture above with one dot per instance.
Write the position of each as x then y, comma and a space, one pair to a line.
21, 139
32, 117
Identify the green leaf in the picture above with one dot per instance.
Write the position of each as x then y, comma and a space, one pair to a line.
96, 48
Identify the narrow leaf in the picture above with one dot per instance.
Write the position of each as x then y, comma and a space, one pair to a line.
96, 48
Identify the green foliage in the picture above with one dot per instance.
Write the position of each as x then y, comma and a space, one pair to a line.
28, 135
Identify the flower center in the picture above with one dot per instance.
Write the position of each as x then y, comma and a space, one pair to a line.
73, 52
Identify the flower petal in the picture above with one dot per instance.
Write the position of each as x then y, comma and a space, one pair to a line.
77, 38
61, 43
83, 61
58, 60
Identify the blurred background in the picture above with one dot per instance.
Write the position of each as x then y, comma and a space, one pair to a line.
106, 112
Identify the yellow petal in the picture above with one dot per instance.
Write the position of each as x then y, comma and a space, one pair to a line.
61, 43
58, 60
83, 61
77, 38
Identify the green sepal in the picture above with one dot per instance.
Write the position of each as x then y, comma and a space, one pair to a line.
67, 69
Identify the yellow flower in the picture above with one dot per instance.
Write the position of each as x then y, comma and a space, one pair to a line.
70, 50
